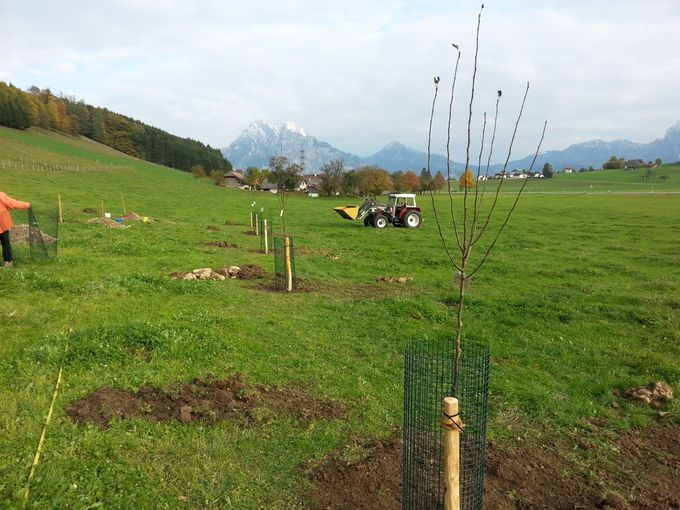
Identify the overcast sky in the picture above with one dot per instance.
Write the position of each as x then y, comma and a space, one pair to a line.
357, 74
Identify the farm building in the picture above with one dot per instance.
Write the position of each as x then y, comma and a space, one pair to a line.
234, 179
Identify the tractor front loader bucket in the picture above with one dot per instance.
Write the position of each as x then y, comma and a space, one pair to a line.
349, 212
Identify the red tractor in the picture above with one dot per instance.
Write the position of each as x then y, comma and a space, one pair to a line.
401, 211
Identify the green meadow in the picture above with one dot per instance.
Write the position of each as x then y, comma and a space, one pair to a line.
580, 297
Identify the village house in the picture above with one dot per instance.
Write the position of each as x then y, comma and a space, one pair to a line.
234, 179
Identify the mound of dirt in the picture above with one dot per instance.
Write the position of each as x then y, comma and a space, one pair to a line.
251, 272
108, 222
133, 216
21, 234
212, 400
523, 475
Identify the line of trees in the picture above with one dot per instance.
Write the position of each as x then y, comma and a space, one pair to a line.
40, 108
372, 180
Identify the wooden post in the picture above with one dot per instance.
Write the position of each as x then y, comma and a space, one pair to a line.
61, 220
266, 241
452, 428
123, 199
257, 226
102, 208
289, 271
251, 218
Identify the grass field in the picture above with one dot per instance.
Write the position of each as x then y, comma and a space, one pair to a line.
580, 297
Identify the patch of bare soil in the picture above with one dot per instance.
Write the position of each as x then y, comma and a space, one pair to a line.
373, 483
524, 476
212, 400
350, 291
220, 244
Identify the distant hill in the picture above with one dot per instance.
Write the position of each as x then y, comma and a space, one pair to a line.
40, 108
396, 156
596, 152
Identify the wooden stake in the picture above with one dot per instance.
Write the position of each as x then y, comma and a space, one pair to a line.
452, 427
123, 199
266, 241
61, 220
289, 271
257, 226
251, 218
102, 208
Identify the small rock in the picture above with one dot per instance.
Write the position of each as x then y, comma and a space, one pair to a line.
233, 271
189, 276
203, 273
217, 276
402, 279
185, 414
661, 390
224, 271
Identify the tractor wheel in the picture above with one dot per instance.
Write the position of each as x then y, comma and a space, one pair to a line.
368, 220
379, 221
413, 219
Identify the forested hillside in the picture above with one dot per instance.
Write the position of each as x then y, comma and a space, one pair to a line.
40, 108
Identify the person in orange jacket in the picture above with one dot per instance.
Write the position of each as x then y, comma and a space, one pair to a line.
6, 224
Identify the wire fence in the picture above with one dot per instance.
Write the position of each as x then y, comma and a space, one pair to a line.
282, 266
429, 371
38, 238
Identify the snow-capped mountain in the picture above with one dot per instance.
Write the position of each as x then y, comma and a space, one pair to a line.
256, 144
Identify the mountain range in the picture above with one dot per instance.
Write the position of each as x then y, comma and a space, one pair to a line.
260, 140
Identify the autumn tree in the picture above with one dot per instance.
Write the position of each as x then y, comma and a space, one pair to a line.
466, 181
438, 182
373, 180
410, 182
254, 176
198, 171
331, 176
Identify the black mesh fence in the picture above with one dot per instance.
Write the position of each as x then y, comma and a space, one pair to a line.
429, 372
265, 231
38, 238
284, 271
